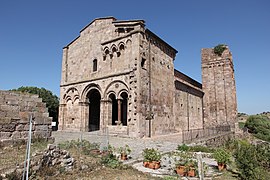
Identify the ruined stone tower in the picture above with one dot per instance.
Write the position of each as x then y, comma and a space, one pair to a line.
218, 84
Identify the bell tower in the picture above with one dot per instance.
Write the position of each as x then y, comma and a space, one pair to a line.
218, 84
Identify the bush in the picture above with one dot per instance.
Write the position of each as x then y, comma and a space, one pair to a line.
183, 147
85, 145
246, 161
259, 126
219, 49
252, 161
222, 156
110, 160
197, 148
150, 155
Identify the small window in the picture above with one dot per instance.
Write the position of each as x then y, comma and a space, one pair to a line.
143, 62
94, 65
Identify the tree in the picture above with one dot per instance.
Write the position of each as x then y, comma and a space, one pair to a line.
51, 100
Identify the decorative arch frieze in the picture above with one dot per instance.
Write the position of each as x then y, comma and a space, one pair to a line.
112, 50
72, 94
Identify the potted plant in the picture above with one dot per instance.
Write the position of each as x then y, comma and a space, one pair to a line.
151, 158
191, 166
124, 152
180, 167
222, 157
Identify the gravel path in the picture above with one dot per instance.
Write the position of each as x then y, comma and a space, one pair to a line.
163, 143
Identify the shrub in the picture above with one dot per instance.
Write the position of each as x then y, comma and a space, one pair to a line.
124, 150
84, 145
111, 161
183, 147
222, 156
197, 148
150, 155
246, 161
219, 49
259, 125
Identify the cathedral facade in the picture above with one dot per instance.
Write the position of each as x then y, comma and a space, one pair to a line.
118, 76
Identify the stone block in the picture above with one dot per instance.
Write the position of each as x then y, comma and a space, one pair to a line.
20, 127
5, 120
5, 107
41, 128
26, 127
5, 135
12, 102
16, 135
41, 134
3, 113
8, 127
24, 134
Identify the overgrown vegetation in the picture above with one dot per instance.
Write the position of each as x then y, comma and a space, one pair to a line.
259, 126
252, 160
222, 156
111, 161
197, 148
219, 49
84, 146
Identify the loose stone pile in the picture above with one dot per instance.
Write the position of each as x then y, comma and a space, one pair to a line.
52, 156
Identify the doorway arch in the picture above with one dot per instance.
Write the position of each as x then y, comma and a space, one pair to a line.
94, 98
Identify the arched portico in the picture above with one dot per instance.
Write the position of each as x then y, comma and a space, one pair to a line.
91, 109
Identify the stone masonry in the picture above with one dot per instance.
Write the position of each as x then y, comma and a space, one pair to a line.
118, 76
15, 109
220, 105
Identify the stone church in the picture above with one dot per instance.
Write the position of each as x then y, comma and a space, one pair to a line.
118, 76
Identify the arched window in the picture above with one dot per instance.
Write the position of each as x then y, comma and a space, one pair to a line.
94, 65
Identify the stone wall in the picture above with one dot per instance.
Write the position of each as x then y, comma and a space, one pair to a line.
220, 105
188, 103
156, 85
15, 108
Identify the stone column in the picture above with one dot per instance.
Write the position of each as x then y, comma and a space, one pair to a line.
103, 115
119, 102
84, 116
109, 112
62, 115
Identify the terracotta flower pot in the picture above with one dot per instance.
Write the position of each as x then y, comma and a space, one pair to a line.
157, 165
221, 166
191, 172
123, 156
181, 170
152, 165
145, 164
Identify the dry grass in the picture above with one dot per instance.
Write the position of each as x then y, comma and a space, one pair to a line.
11, 156
14, 155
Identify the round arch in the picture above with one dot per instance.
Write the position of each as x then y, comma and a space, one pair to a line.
116, 87
87, 89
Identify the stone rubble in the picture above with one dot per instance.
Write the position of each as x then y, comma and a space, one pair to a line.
52, 156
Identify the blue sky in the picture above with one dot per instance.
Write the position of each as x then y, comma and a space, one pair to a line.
33, 33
